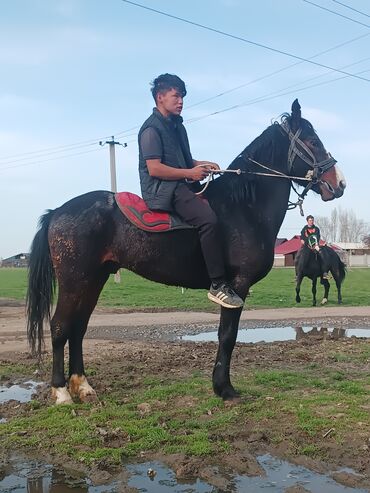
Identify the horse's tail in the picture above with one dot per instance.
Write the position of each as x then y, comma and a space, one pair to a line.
41, 286
342, 269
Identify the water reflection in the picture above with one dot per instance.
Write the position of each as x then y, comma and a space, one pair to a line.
320, 333
279, 475
37, 477
21, 393
274, 334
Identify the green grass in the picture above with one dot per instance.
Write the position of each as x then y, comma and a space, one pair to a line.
274, 291
181, 415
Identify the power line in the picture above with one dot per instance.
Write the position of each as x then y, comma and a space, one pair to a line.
267, 98
333, 12
50, 159
56, 148
351, 8
244, 40
44, 153
276, 71
78, 145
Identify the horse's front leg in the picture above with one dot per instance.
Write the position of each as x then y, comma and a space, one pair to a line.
326, 285
298, 288
314, 291
227, 333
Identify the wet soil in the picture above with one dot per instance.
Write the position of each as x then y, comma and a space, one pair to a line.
152, 340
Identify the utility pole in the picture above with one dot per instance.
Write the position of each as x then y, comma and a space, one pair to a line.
113, 177
112, 160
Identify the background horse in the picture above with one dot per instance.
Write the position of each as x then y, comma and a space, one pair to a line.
85, 240
307, 264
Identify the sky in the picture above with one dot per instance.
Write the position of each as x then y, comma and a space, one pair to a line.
76, 72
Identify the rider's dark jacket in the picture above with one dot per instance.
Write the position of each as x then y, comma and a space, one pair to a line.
157, 192
309, 231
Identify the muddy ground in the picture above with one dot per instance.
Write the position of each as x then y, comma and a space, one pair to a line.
124, 338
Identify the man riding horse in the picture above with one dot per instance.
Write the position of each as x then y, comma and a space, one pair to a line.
310, 238
166, 167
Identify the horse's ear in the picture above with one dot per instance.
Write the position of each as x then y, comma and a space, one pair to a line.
296, 116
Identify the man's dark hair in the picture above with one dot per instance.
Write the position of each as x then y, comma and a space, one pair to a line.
166, 82
309, 217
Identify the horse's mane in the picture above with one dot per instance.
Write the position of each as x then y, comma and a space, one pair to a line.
242, 188
263, 149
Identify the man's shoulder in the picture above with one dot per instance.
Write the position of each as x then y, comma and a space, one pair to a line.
146, 123
152, 121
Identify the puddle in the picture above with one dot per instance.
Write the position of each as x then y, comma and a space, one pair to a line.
22, 392
280, 475
274, 334
37, 477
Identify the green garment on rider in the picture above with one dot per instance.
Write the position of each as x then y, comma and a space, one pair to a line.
310, 235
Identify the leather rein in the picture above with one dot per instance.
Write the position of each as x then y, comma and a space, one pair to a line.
305, 154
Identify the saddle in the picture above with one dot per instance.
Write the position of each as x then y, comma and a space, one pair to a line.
135, 209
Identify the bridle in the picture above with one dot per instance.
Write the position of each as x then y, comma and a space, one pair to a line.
297, 149
319, 168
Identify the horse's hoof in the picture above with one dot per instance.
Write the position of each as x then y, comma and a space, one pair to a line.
61, 395
232, 401
324, 301
79, 387
298, 299
229, 394
90, 397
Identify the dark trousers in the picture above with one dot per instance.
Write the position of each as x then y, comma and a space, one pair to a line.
197, 212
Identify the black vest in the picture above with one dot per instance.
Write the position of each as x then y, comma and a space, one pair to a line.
156, 192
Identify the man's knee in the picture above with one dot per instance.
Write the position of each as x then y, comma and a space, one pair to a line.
209, 219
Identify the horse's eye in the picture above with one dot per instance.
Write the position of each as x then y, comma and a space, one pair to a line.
314, 143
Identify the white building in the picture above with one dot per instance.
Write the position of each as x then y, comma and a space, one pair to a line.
356, 254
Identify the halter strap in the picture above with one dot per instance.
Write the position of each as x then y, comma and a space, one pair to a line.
309, 158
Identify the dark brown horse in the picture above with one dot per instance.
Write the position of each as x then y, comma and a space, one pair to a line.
307, 264
85, 240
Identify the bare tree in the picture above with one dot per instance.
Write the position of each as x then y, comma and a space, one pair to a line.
366, 240
325, 227
342, 226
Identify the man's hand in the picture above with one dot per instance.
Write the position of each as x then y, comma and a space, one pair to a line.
317, 248
198, 173
207, 164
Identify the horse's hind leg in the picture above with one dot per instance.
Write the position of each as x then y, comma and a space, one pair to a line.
227, 333
69, 322
298, 288
78, 384
314, 291
60, 327
338, 284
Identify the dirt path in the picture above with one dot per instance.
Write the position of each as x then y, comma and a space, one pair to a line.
112, 324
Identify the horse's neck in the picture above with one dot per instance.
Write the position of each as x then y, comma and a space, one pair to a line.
275, 197
266, 213
272, 191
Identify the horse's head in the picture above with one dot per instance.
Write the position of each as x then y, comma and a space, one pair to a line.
307, 157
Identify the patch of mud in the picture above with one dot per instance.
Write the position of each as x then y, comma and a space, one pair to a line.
153, 349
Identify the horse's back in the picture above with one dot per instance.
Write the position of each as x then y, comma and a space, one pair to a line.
80, 229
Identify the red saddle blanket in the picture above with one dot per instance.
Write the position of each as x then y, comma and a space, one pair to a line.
136, 211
